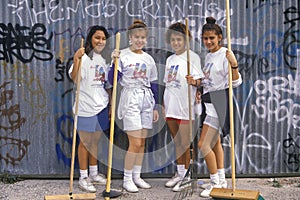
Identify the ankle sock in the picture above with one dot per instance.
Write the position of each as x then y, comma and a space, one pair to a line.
136, 171
214, 178
221, 173
93, 169
83, 173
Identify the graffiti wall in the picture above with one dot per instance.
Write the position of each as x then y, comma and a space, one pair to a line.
37, 43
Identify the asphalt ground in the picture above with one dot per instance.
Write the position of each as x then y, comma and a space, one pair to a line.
36, 189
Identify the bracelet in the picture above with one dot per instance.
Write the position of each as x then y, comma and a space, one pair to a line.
235, 67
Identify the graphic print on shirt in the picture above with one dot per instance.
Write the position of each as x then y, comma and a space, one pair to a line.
99, 76
172, 74
207, 81
140, 71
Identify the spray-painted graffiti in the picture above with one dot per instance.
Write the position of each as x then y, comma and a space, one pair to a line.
24, 43
291, 147
15, 149
291, 36
11, 118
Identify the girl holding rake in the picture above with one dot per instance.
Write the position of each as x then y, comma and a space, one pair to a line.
176, 105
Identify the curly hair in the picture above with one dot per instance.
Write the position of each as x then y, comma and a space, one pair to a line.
177, 28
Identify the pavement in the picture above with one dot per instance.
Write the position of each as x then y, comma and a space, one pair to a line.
285, 188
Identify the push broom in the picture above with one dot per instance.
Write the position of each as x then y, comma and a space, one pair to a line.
188, 183
225, 193
108, 193
85, 196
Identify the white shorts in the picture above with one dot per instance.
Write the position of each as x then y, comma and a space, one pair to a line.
136, 108
212, 122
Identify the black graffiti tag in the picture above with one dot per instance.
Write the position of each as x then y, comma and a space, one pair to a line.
24, 43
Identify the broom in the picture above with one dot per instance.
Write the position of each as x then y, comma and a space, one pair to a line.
224, 193
108, 193
85, 196
187, 183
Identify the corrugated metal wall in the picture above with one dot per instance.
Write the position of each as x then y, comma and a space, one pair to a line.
39, 38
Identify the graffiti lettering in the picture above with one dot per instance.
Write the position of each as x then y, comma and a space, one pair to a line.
274, 105
291, 147
291, 36
10, 114
24, 43
13, 150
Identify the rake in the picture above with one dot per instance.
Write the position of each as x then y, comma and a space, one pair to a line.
85, 196
224, 193
188, 183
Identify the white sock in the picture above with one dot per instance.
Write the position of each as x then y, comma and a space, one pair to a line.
181, 170
83, 174
221, 173
127, 175
136, 171
214, 178
93, 170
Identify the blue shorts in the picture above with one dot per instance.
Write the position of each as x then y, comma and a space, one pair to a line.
99, 122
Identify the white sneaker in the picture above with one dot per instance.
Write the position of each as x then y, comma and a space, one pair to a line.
86, 185
98, 179
223, 184
206, 193
141, 183
173, 181
129, 186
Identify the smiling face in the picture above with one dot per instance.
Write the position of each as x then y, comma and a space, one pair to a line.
177, 43
138, 38
98, 41
211, 40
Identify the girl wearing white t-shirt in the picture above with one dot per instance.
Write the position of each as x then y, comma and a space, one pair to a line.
215, 93
137, 74
93, 103
176, 105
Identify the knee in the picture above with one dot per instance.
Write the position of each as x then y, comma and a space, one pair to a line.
204, 148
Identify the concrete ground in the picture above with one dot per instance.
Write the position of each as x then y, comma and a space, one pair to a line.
37, 189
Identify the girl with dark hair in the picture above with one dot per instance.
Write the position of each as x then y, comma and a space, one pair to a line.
215, 81
176, 103
138, 76
94, 97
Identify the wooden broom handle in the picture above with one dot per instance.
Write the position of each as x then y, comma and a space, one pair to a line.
230, 100
112, 118
75, 121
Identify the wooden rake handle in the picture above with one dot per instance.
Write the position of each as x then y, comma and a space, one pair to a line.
112, 119
188, 73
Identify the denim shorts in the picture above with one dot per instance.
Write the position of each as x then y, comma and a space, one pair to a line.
99, 122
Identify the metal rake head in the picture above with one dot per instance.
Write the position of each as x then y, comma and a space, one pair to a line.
188, 188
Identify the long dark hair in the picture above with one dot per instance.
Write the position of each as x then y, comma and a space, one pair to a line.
88, 42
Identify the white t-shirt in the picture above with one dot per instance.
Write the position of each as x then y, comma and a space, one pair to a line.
93, 97
138, 69
216, 76
176, 92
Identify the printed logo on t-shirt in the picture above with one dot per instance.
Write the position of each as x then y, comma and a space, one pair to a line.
206, 70
172, 74
140, 71
99, 75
